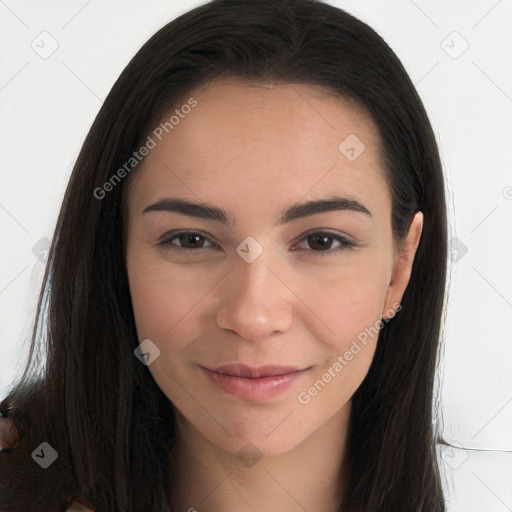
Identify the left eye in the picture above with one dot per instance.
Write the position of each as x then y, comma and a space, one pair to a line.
322, 240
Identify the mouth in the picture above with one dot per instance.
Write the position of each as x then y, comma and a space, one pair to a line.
254, 384
242, 370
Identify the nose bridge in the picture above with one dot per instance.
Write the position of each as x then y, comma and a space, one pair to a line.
255, 302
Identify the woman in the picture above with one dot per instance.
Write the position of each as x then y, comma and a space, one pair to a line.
200, 353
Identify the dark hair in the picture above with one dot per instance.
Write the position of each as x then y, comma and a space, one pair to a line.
93, 401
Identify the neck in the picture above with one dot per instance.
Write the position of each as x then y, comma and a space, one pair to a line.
309, 477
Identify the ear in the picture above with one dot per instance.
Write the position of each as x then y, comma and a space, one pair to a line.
402, 265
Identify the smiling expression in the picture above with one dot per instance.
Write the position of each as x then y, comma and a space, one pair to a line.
255, 239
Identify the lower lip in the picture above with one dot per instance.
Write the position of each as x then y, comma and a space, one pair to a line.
257, 390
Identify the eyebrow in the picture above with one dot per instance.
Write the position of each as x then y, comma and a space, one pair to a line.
295, 211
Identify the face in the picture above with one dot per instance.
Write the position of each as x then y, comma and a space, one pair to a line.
265, 312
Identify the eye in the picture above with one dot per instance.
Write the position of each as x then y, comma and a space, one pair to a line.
321, 242
194, 238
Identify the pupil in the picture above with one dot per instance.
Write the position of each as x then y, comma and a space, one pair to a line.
193, 239
322, 244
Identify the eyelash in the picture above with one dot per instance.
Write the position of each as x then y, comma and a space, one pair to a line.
344, 242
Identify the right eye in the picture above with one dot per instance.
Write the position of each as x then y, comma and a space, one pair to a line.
194, 238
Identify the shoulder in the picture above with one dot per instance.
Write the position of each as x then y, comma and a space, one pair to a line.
35, 468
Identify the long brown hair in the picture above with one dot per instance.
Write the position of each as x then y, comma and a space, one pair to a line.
85, 393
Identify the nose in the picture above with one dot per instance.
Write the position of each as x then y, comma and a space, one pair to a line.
255, 301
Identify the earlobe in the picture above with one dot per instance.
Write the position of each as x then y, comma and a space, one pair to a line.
402, 266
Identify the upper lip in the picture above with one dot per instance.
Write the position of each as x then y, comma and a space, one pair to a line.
242, 370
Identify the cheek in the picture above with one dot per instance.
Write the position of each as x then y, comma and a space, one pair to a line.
166, 307
346, 300
164, 298
332, 385
350, 306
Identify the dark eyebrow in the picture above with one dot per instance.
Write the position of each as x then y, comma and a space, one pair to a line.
295, 211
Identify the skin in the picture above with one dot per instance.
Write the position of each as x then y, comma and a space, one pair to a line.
253, 150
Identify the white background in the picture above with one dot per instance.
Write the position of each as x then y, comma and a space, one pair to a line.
48, 105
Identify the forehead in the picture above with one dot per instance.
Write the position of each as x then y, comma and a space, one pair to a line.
243, 140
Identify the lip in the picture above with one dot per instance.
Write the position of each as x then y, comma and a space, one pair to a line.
254, 384
243, 370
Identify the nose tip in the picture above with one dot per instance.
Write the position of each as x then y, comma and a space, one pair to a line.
253, 322
255, 304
